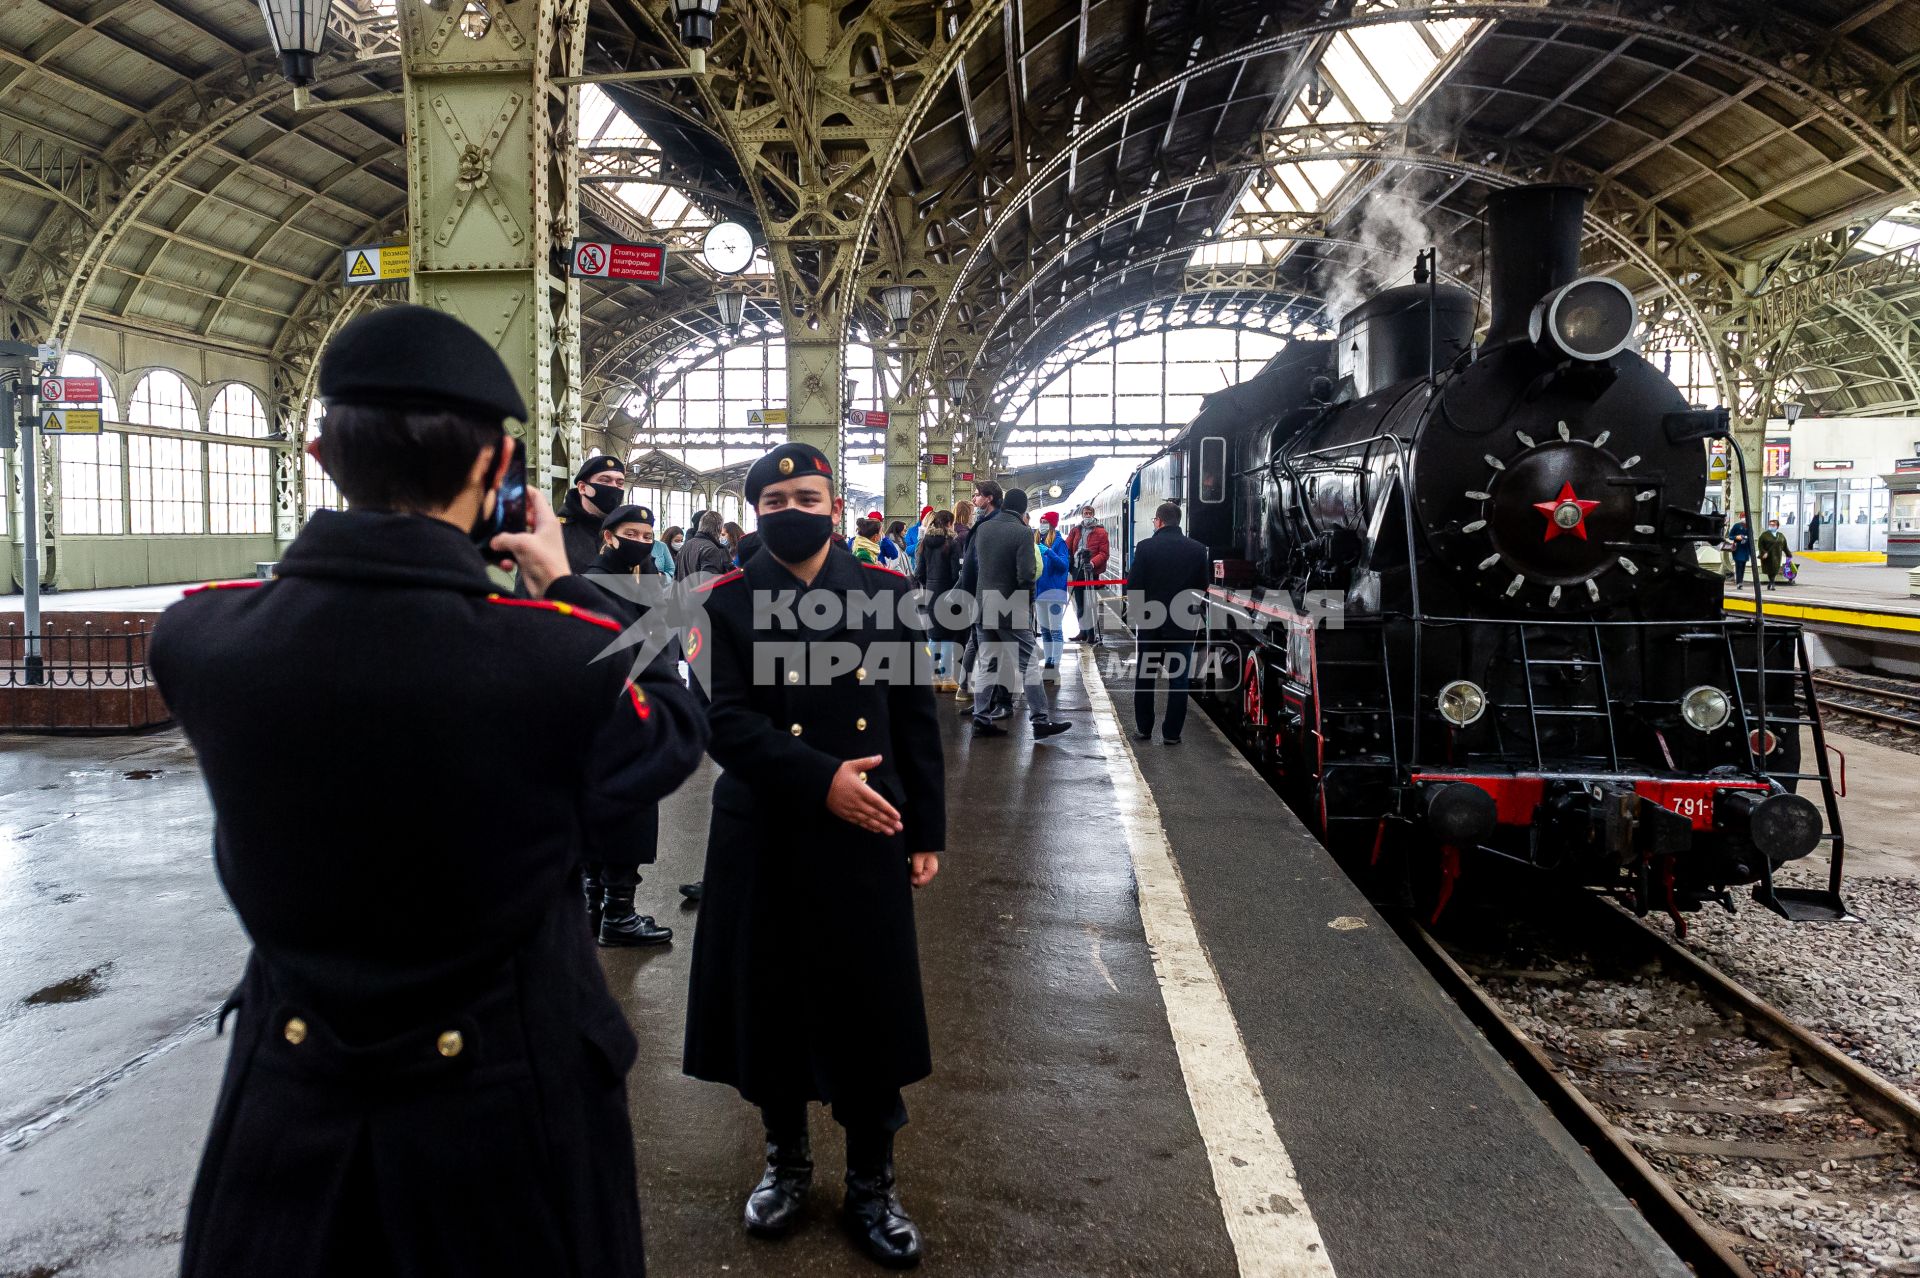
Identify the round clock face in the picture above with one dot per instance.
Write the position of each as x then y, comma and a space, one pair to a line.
728, 248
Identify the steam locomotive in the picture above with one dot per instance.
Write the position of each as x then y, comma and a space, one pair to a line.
1457, 609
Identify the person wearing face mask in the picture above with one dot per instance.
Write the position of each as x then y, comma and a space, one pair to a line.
426, 1070
1776, 554
600, 486
829, 811
675, 537
610, 875
704, 550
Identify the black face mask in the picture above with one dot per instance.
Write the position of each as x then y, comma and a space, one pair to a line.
631, 554
607, 497
793, 536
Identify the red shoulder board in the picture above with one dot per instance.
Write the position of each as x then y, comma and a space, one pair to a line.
246, 584
735, 575
564, 609
882, 568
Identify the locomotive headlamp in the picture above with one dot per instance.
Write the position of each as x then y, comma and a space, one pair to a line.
1706, 709
1590, 319
1462, 702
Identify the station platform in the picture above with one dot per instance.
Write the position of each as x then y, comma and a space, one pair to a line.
1170, 1038
1854, 614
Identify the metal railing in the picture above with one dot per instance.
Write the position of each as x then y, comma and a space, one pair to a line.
87, 655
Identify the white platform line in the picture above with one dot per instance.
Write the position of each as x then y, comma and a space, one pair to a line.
1267, 1216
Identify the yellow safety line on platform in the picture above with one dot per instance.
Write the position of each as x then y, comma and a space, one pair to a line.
1834, 616
1267, 1216
1843, 556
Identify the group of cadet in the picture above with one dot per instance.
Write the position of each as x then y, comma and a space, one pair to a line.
427, 1072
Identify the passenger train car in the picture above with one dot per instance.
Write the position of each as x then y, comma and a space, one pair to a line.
1456, 607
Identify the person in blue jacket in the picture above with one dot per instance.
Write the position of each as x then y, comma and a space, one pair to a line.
1740, 541
1050, 589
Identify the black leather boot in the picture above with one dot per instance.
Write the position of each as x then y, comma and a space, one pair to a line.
778, 1201
619, 925
879, 1224
590, 883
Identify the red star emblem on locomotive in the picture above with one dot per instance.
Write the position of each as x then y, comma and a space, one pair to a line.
1566, 513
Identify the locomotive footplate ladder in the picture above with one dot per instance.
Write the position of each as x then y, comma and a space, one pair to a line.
1802, 905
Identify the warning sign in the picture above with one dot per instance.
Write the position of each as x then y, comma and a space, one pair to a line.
871, 419
373, 263
766, 417
611, 260
71, 421
69, 390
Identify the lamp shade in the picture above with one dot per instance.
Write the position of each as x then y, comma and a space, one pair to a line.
898, 299
696, 21
1792, 412
733, 308
298, 28
958, 388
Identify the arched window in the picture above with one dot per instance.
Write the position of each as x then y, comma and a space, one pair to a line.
322, 492
239, 476
90, 497
164, 474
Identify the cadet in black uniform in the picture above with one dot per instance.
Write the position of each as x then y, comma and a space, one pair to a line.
610, 874
598, 489
830, 811
428, 1075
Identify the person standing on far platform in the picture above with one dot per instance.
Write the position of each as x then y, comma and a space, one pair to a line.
830, 810
427, 1073
1740, 542
600, 486
702, 552
1165, 587
1088, 545
1775, 553
999, 573
1813, 529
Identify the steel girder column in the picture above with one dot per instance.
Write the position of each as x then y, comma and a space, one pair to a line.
813, 390
940, 475
901, 498
493, 196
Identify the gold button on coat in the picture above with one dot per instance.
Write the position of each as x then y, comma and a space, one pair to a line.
296, 1031
795, 729
450, 1043
860, 725
793, 676
861, 673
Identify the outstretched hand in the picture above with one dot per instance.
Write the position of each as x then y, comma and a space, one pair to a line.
540, 551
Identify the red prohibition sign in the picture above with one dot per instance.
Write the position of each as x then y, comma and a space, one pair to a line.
591, 259
53, 390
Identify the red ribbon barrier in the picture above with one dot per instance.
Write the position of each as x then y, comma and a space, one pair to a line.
1104, 581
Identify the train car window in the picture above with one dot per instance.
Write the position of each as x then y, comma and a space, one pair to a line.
1213, 469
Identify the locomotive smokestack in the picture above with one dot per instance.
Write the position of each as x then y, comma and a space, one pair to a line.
1533, 245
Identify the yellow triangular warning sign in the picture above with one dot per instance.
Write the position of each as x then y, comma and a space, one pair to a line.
362, 267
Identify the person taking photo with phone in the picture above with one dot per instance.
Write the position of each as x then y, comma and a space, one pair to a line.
427, 1072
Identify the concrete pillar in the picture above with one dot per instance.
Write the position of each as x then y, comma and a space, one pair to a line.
493, 195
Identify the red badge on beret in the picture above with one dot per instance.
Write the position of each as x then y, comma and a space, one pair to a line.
820, 464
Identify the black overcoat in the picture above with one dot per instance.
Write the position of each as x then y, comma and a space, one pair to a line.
427, 1072
938, 569
806, 971
1169, 572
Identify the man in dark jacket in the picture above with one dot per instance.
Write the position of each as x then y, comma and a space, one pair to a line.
999, 573
629, 575
427, 1073
830, 810
600, 486
1166, 590
702, 551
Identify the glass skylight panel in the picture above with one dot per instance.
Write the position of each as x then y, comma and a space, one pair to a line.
1887, 234
604, 124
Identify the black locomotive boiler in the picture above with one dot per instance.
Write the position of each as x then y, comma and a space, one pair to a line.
1458, 611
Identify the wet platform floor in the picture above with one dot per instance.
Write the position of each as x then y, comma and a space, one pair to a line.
1057, 1136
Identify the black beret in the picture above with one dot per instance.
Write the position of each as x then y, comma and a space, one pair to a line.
415, 357
1015, 500
785, 462
598, 465
626, 515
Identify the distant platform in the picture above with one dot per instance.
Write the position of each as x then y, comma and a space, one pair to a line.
1854, 614
121, 599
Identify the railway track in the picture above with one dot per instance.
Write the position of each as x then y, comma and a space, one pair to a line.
1751, 1143
1881, 702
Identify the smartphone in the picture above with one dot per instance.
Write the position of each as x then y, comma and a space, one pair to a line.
510, 508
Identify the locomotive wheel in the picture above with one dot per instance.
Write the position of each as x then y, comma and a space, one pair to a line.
1256, 717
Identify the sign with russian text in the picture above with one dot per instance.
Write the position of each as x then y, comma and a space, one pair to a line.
612, 260
374, 263
69, 390
868, 418
71, 421
936, 459
766, 417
